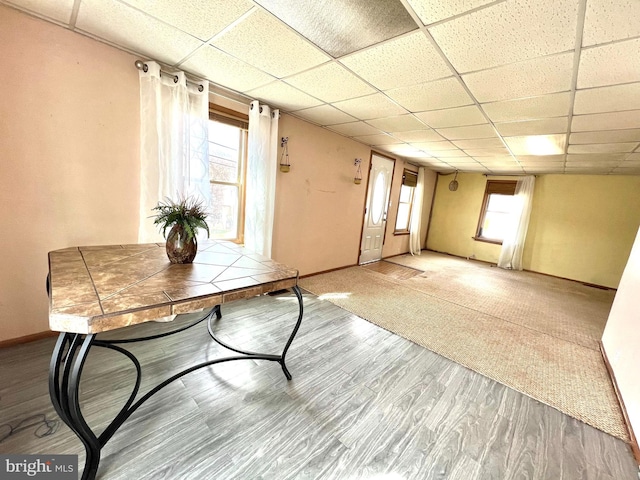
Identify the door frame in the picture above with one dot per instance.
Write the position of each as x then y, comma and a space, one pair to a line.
366, 191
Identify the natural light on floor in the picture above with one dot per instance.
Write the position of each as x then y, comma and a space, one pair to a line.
335, 295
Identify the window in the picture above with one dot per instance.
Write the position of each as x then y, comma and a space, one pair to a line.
227, 165
409, 182
495, 214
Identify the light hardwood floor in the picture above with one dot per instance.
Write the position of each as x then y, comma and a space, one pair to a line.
363, 404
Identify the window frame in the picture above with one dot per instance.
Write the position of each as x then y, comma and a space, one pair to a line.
500, 187
239, 120
409, 179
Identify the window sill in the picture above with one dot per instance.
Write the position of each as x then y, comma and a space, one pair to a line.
487, 240
401, 232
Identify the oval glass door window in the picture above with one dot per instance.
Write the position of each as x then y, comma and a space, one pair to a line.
379, 194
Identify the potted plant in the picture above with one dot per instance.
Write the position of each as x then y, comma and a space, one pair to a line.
185, 217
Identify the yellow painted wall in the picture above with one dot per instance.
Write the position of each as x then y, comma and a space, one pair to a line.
582, 226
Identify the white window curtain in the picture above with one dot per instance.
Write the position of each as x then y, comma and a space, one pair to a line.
262, 165
415, 240
513, 243
174, 147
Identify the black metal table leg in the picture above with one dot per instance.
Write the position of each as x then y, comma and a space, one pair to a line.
261, 356
67, 362
64, 392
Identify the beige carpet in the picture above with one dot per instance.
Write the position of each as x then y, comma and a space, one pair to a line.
536, 334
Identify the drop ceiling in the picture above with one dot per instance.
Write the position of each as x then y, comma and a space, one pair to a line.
501, 87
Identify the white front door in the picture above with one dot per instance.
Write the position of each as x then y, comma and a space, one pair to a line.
375, 215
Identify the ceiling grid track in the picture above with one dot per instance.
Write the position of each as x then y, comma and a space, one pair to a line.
582, 9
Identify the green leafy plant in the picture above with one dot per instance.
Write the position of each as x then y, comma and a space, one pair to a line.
187, 212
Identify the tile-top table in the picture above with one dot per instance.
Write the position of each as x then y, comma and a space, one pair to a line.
104, 288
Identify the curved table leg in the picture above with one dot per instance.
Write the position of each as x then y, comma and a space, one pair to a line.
64, 392
261, 356
298, 293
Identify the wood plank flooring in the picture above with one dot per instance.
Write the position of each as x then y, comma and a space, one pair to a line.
363, 404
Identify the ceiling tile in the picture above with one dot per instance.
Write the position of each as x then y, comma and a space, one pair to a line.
259, 39
283, 96
430, 161
431, 11
443, 93
453, 117
633, 157
603, 148
383, 139
340, 27
443, 154
330, 82
542, 126
545, 106
371, 106
129, 28
400, 62
225, 70
608, 20
545, 169
606, 121
479, 143
200, 18
609, 64
402, 149
607, 99
595, 157
469, 132
588, 170
353, 129
508, 32
435, 146
461, 161
399, 123
59, 10
541, 159
325, 115
606, 136
536, 144
523, 79
413, 154
499, 160
469, 167
487, 152
418, 136
506, 170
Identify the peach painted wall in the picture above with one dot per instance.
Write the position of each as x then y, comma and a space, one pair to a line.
69, 136
621, 338
319, 210
318, 217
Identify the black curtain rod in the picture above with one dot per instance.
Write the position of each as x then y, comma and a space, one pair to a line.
140, 65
